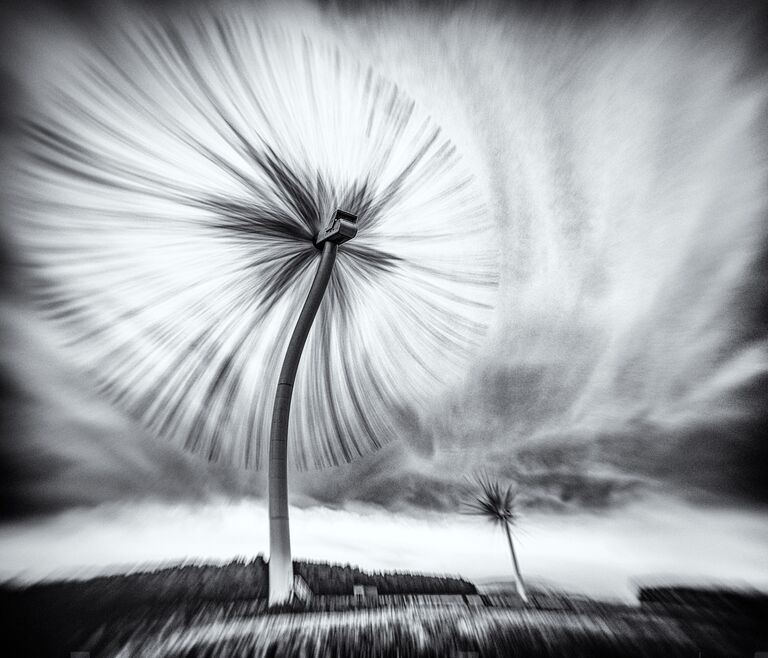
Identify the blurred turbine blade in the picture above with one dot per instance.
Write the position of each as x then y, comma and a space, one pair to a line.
166, 203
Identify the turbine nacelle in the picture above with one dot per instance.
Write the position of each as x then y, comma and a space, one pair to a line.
340, 228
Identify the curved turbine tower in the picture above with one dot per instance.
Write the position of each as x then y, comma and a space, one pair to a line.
341, 228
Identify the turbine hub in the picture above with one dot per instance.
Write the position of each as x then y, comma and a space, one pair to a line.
339, 229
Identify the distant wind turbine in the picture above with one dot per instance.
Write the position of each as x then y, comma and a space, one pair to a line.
497, 505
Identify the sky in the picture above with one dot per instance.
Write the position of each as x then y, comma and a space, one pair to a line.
616, 371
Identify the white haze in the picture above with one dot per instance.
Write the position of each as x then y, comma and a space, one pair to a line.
601, 556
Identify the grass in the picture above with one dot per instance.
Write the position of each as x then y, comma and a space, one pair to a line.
422, 632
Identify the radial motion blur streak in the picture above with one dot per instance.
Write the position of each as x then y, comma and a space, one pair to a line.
169, 190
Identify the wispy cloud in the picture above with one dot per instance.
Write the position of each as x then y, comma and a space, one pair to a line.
624, 161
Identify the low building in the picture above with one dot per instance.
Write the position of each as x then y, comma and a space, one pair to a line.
365, 591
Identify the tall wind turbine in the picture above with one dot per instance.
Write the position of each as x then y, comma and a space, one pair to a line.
174, 181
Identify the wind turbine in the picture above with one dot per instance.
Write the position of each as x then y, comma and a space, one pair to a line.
174, 195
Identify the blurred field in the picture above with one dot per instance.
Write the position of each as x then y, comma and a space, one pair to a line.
435, 631
207, 611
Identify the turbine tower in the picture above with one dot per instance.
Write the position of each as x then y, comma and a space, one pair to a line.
341, 228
